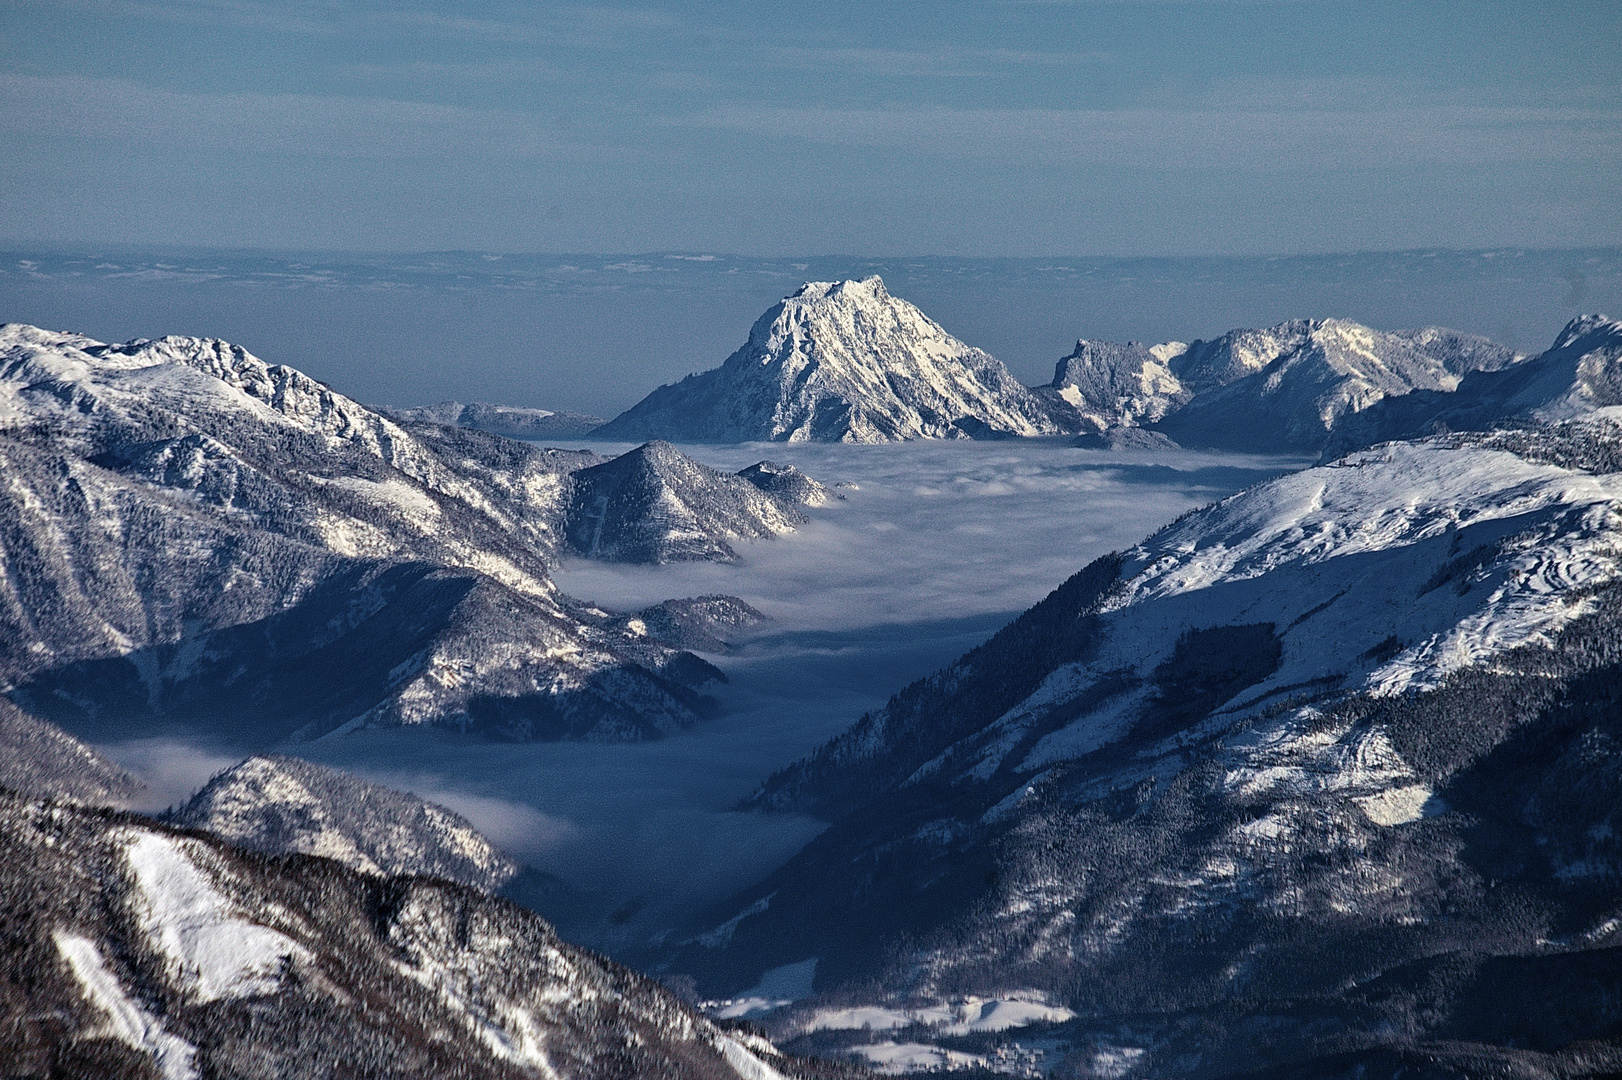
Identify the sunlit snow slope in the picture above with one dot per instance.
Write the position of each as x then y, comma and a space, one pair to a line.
1341, 736
192, 537
841, 362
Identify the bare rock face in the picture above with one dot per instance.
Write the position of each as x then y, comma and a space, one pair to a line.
841, 362
136, 950
192, 537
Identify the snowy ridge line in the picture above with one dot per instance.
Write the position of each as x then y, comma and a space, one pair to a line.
337, 970
186, 512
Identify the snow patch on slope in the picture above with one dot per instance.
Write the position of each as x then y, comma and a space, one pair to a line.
216, 952
127, 1021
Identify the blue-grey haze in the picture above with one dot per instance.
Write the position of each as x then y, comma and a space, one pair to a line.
594, 333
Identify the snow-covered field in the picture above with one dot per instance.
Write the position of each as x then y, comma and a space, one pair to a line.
933, 546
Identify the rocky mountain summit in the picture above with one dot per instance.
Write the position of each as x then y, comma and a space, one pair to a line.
848, 362
137, 950
841, 362
1580, 372
191, 537
513, 421
1278, 390
1319, 780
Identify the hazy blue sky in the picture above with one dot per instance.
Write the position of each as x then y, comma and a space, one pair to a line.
1198, 126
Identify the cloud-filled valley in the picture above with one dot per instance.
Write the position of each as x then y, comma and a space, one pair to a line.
938, 544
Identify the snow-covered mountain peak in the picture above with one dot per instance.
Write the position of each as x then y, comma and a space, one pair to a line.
1284, 387
1583, 371
1589, 332
90, 388
841, 362
656, 504
1578, 375
853, 290
851, 326
215, 357
1519, 538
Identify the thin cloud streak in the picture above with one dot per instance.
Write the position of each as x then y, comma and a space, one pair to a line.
1183, 139
296, 125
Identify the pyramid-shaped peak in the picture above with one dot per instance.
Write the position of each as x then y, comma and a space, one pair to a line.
841, 362
655, 452
653, 459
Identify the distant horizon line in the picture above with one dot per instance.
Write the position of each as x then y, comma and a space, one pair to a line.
9, 247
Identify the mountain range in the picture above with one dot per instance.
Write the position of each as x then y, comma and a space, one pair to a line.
511, 420
192, 538
848, 362
1320, 780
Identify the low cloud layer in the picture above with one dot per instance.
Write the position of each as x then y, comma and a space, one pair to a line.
933, 531
935, 546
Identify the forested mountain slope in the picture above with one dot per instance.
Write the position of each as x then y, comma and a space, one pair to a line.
1335, 759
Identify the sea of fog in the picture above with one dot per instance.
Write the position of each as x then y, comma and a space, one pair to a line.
933, 546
